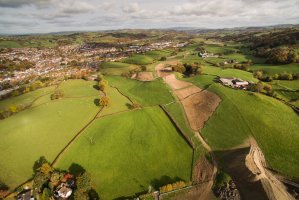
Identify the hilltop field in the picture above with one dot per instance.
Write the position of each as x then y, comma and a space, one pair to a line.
143, 138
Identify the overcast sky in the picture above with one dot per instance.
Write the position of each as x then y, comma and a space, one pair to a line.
42, 16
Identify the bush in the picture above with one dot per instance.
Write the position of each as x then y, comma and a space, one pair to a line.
104, 101
58, 94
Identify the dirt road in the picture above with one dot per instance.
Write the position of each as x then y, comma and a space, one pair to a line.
255, 161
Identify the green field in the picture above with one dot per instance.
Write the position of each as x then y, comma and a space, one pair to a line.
210, 70
276, 69
129, 151
78, 88
117, 103
145, 93
26, 98
26, 136
105, 65
139, 60
242, 114
157, 54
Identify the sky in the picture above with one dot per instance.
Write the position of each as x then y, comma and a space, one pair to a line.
44, 16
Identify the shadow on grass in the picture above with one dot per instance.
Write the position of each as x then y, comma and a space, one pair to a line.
76, 169
164, 180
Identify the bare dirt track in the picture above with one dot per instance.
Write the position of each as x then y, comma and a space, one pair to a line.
143, 76
256, 163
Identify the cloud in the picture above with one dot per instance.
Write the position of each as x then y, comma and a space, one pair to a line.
131, 8
20, 3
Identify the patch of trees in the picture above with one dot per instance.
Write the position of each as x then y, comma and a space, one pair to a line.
58, 94
282, 55
278, 76
46, 180
188, 69
13, 109
173, 186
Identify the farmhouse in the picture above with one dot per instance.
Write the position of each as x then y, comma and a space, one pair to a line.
25, 195
235, 83
208, 55
63, 191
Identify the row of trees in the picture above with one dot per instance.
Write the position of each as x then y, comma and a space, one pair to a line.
281, 55
102, 86
13, 109
173, 186
278, 76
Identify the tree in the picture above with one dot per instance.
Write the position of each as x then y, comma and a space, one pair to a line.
163, 58
78, 195
83, 182
39, 181
99, 77
58, 94
102, 85
56, 178
104, 101
258, 74
135, 105
268, 88
259, 86
46, 169
46, 194
13, 108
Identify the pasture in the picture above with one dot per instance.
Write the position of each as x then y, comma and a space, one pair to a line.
42, 130
146, 93
157, 54
128, 153
276, 69
139, 60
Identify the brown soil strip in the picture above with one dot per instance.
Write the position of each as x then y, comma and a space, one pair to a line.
200, 107
144, 76
174, 83
186, 92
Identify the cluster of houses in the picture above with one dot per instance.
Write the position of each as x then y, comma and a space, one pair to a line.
235, 83
62, 192
54, 63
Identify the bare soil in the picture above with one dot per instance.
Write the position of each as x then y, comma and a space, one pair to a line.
233, 163
174, 83
186, 92
144, 76
199, 107
203, 171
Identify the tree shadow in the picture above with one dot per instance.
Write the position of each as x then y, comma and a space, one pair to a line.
129, 106
93, 195
96, 87
37, 164
3, 186
76, 169
164, 180
96, 101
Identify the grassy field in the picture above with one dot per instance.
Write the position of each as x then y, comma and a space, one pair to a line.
229, 73
139, 60
26, 98
129, 151
26, 136
241, 114
105, 65
157, 54
117, 103
78, 88
145, 93
273, 69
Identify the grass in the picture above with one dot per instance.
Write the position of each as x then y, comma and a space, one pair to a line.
210, 70
26, 98
157, 54
105, 65
40, 131
276, 69
9, 44
117, 103
78, 88
129, 151
145, 93
139, 60
242, 114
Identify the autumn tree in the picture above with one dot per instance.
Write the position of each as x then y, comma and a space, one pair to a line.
259, 86
104, 101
